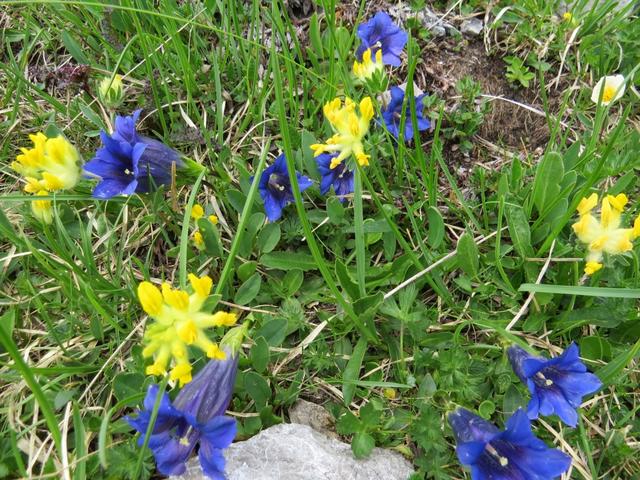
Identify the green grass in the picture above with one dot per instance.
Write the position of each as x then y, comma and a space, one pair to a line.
479, 217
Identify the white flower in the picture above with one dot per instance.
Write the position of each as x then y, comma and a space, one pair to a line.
613, 86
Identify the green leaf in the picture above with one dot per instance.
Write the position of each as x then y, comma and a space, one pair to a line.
273, 331
512, 400
436, 227
546, 184
291, 282
362, 444
486, 409
467, 255
335, 210
352, 371
257, 388
519, 230
581, 291
288, 261
348, 424
610, 372
259, 355
595, 348
211, 237
245, 270
314, 36
269, 237
127, 384
7, 322
347, 283
74, 48
248, 290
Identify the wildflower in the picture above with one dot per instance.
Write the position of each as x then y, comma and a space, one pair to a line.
350, 129
197, 212
110, 91
129, 163
198, 240
380, 33
557, 385
340, 177
393, 114
610, 87
567, 17
196, 418
275, 187
515, 453
604, 236
42, 209
213, 219
179, 323
51, 165
367, 68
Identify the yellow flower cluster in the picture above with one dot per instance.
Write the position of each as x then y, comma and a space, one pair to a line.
367, 68
178, 324
604, 236
350, 129
197, 212
50, 166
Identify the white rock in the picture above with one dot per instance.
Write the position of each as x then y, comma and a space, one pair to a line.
297, 452
472, 26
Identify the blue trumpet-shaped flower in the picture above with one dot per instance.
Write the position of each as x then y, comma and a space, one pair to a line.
557, 385
393, 114
129, 163
513, 454
340, 177
195, 418
275, 187
380, 33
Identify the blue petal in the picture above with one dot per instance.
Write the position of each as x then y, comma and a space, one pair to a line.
518, 428
219, 431
272, 207
212, 461
303, 182
171, 455
110, 188
468, 452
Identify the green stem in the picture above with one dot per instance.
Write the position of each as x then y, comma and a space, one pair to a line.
244, 218
152, 422
358, 225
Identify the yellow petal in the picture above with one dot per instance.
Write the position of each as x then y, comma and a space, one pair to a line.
197, 212
182, 373
155, 369
587, 204
366, 109
592, 267
215, 352
202, 286
213, 219
150, 298
618, 202
187, 331
363, 159
175, 298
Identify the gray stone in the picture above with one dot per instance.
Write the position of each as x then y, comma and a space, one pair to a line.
297, 452
472, 26
313, 415
438, 27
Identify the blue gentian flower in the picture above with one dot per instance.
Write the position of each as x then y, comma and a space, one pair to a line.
196, 417
513, 454
393, 113
129, 163
380, 33
557, 385
340, 177
275, 188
